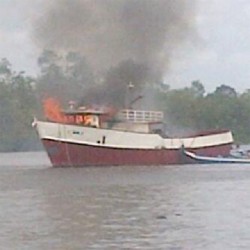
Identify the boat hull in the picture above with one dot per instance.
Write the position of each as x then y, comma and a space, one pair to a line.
70, 145
66, 154
198, 158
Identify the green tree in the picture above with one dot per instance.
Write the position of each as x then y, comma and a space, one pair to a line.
17, 107
198, 88
180, 107
63, 77
225, 90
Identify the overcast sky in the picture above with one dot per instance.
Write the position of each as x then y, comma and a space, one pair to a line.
220, 55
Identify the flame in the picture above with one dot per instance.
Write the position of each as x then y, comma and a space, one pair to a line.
52, 110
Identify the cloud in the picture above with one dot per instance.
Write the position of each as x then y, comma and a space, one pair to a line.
223, 50
15, 42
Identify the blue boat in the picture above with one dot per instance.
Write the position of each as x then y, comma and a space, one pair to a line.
207, 159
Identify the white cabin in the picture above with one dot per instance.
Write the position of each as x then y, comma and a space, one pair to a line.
125, 120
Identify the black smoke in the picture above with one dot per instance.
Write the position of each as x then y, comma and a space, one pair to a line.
123, 40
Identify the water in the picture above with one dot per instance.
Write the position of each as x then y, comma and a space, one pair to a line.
167, 207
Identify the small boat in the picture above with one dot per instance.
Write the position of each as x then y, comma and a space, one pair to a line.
219, 159
84, 136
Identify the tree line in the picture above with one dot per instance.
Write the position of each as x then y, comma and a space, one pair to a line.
69, 77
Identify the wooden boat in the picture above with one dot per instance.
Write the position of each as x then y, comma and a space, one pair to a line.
101, 137
219, 159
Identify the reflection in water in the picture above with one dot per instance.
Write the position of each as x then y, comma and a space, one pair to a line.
174, 207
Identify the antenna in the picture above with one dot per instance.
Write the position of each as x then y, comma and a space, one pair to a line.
128, 96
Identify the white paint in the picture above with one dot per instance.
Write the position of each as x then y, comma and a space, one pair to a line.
124, 139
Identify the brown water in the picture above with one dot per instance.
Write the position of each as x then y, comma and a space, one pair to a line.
167, 207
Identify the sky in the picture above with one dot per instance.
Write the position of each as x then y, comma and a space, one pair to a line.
219, 54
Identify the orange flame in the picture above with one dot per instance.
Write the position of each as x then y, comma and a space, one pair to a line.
52, 110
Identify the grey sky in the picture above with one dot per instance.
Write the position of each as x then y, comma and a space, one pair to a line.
220, 55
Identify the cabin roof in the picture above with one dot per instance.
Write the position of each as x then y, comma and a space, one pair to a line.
84, 111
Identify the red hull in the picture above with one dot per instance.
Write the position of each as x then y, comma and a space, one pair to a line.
70, 154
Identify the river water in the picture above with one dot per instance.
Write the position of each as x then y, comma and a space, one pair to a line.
167, 207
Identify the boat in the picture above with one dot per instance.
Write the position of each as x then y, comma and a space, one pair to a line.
93, 136
219, 159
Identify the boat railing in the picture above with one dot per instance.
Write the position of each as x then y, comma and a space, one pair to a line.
140, 115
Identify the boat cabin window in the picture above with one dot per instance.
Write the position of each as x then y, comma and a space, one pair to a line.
87, 120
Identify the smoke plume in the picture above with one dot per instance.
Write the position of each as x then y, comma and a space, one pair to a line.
114, 33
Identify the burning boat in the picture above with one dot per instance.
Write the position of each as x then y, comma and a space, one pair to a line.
100, 137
